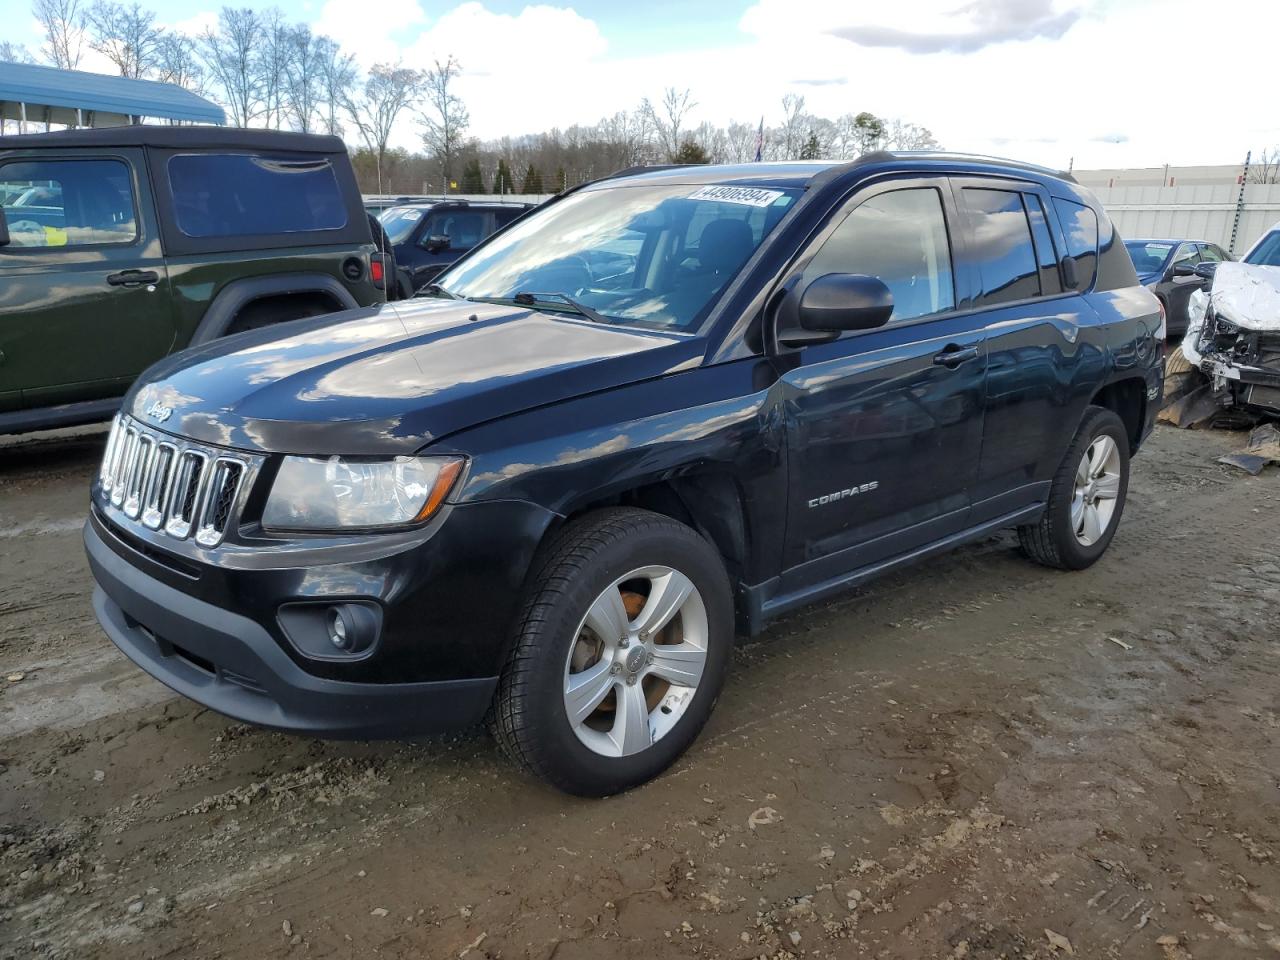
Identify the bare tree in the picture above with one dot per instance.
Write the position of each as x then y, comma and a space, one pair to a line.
15, 52
1266, 167
740, 142
445, 119
795, 127
900, 135
63, 25
230, 54
667, 122
337, 78
388, 92
273, 52
126, 35
178, 63
303, 78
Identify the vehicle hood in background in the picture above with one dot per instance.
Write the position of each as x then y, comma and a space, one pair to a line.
1247, 295
391, 379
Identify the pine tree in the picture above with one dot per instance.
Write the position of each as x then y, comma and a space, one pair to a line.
532, 181
811, 150
690, 152
503, 181
562, 180
472, 177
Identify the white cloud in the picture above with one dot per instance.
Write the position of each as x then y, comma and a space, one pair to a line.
374, 32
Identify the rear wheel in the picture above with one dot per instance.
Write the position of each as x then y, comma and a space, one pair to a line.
620, 654
1086, 498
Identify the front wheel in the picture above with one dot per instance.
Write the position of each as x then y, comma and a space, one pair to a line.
620, 653
1086, 499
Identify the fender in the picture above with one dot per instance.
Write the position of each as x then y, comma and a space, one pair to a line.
235, 295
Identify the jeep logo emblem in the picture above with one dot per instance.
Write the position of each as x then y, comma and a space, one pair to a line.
159, 412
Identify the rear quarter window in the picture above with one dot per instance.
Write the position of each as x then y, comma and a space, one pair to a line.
230, 195
1080, 224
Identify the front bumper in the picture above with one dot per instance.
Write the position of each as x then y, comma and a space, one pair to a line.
231, 664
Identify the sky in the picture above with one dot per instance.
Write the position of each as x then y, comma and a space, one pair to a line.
1093, 83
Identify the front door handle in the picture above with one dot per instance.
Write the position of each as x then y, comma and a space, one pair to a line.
133, 278
954, 355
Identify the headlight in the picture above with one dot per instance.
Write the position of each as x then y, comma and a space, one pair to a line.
342, 492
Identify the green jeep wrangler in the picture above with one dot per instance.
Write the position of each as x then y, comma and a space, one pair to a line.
121, 245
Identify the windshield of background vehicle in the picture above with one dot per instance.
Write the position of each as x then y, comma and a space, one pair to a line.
1148, 257
1266, 253
400, 221
648, 255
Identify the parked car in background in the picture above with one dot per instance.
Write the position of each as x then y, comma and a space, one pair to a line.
377, 205
1173, 270
121, 245
551, 496
1266, 250
429, 236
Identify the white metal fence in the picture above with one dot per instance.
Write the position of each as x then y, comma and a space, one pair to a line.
1195, 211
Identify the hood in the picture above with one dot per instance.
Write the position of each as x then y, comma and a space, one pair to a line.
390, 379
1247, 295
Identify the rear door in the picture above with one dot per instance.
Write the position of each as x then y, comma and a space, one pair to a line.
884, 426
84, 294
1033, 324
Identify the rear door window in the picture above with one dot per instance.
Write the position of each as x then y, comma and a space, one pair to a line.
231, 195
1001, 245
1210, 253
68, 203
464, 228
1046, 250
1080, 224
901, 238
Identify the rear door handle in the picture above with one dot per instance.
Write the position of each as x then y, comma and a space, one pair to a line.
133, 278
954, 355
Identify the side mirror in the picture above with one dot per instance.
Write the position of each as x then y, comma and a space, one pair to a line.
1206, 269
4, 229
1184, 269
836, 303
437, 242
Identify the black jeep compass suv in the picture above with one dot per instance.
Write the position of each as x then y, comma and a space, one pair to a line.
652, 415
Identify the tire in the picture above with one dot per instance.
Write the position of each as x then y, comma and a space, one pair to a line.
562, 633
1059, 539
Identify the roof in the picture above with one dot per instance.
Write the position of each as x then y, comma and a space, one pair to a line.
179, 138
115, 99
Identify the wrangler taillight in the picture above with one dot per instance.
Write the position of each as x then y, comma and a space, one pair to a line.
375, 270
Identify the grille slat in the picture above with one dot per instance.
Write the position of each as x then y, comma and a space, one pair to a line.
168, 484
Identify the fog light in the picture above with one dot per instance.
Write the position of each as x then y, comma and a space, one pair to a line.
340, 631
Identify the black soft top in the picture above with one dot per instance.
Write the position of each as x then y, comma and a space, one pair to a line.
178, 138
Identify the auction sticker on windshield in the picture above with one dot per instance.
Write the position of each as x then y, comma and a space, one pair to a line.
750, 196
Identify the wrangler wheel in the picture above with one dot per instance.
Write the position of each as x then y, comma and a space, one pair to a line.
620, 653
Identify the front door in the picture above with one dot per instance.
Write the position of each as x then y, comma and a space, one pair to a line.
84, 303
885, 426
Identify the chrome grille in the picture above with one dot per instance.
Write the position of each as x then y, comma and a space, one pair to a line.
169, 484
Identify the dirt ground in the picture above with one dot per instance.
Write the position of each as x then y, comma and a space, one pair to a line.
976, 758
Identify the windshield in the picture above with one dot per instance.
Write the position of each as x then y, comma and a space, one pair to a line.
651, 256
400, 221
1267, 252
1148, 257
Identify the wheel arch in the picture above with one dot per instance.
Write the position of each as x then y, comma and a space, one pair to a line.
238, 295
1127, 399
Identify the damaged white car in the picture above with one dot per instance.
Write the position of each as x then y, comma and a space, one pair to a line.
1233, 332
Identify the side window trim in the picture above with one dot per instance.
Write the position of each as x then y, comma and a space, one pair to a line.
135, 196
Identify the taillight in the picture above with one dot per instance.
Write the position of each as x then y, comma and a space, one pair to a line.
375, 270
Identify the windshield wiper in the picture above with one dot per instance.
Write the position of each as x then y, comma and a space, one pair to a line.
527, 299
